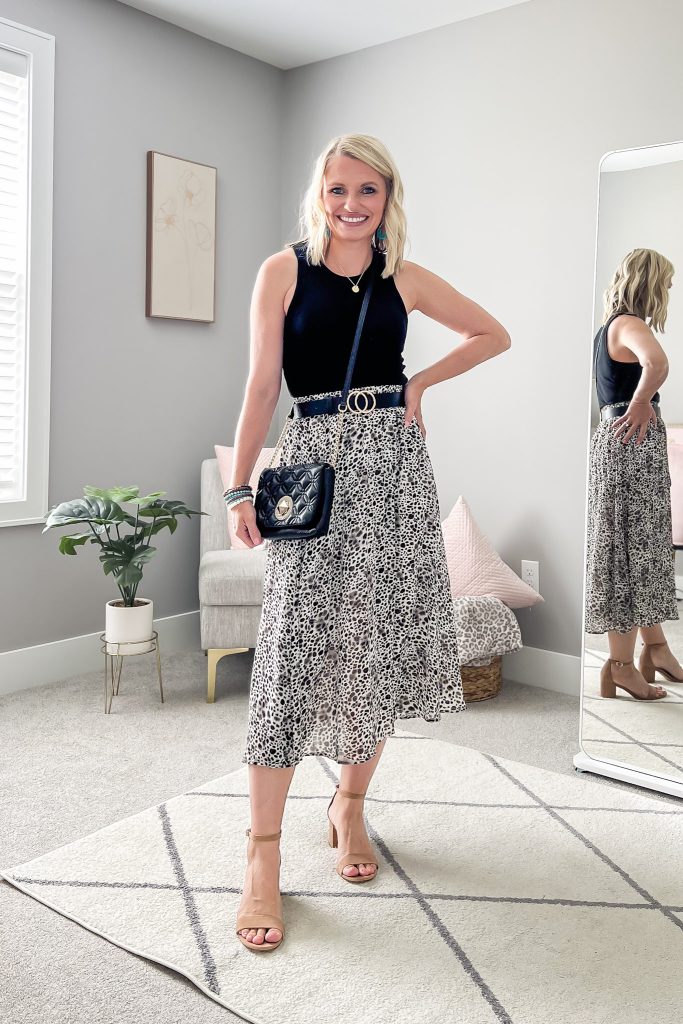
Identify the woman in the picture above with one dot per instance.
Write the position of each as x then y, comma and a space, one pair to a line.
630, 582
357, 627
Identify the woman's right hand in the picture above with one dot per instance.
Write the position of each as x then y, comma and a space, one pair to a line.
244, 523
638, 416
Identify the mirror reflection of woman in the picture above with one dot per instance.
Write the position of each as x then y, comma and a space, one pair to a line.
630, 579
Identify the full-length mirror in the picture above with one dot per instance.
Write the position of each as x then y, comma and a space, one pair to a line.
632, 686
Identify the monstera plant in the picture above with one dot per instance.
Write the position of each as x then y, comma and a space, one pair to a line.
123, 535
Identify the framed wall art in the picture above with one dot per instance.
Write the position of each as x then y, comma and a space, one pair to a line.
181, 239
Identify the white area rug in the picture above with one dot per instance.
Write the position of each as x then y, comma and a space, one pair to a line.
505, 893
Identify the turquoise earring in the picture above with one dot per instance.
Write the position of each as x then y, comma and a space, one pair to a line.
380, 233
327, 231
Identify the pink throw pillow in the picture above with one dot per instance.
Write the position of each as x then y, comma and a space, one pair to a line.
224, 456
674, 435
475, 568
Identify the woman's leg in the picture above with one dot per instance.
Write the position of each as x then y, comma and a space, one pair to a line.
622, 645
661, 657
652, 634
268, 788
347, 814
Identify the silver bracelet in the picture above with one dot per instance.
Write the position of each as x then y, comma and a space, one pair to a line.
231, 502
243, 488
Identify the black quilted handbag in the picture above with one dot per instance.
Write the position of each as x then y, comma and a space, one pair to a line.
295, 502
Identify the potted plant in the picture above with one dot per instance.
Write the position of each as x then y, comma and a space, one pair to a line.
123, 554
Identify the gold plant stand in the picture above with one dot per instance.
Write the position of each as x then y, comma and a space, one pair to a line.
112, 674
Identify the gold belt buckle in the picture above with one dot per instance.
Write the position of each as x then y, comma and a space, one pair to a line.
359, 393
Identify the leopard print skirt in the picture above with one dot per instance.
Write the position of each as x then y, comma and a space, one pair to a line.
358, 626
630, 579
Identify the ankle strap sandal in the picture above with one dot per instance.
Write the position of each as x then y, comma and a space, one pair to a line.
366, 857
608, 685
260, 920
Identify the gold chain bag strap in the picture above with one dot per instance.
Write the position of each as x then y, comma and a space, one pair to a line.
295, 502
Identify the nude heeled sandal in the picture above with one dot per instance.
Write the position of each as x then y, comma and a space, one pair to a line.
260, 920
647, 666
608, 687
367, 857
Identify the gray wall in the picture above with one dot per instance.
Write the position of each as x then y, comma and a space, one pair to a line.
498, 125
138, 401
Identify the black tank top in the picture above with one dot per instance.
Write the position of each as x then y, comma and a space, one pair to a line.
615, 381
320, 325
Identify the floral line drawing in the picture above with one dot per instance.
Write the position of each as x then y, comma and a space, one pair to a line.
175, 214
181, 227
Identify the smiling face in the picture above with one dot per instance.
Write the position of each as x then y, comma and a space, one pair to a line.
354, 196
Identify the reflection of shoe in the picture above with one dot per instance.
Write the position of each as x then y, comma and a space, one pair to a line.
608, 687
259, 919
648, 667
366, 857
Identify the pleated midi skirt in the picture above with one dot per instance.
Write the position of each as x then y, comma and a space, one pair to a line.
358, 627
630, 579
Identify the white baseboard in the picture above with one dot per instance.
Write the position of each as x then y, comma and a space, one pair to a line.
51, 662
59, 659
548, 669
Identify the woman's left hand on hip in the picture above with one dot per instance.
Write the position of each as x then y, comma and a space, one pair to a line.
413, 392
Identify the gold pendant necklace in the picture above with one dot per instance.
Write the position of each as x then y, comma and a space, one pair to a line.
354, 287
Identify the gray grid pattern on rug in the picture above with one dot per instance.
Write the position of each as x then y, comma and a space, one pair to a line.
424, 900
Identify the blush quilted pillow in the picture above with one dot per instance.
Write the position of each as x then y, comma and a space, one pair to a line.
475, 568
224, 456
675, 456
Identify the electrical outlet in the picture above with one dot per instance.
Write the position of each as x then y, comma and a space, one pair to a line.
530, 574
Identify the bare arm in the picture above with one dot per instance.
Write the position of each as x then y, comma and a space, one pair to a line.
484, 336
634, 334
275, 276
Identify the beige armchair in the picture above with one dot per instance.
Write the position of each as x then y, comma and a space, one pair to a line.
230, 581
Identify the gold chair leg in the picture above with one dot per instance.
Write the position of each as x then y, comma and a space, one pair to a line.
214, 655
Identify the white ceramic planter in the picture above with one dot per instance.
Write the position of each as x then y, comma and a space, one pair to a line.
124, 625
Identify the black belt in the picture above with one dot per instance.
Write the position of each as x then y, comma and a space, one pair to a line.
615, 409
359, 400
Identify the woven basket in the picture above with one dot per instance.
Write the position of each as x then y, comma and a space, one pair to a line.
479, 682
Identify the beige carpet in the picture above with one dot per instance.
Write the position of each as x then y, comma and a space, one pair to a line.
506, 893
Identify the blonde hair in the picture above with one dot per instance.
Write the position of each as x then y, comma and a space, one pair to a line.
640, 285
312, 219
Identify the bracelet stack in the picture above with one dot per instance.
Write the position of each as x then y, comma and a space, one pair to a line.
234, 495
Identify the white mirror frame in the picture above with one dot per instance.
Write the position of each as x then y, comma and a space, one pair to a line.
622, 159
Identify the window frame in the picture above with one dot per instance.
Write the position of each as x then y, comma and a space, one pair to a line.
39, 49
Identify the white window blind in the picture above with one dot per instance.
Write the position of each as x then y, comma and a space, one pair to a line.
14, 227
